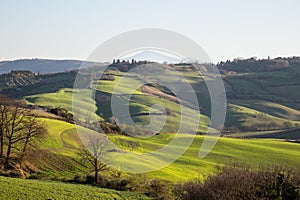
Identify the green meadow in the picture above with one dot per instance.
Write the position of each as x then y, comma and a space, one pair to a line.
63, 143
13, 188
227, 151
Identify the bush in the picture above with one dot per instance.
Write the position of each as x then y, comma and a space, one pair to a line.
90, 179
79, 179
159, 189
243, 183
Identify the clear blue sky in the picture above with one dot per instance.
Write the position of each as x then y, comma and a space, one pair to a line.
226, 29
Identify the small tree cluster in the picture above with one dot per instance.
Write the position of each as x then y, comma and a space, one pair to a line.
62, 112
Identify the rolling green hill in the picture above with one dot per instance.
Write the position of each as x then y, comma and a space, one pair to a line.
263, 116
289, 134
63, 98
247, 118
140, 103
253, 152
260, 93
58, 154
271, 108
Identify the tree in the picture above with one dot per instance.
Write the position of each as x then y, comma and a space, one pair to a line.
96, 154
33, 129
13, 128
18, 128
4, 110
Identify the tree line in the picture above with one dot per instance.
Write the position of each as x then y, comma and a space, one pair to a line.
258, 65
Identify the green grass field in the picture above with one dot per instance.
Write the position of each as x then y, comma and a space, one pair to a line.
59, 153
64, 98
140, 103
127, 89
13, 188
271, 108
244, 114
288, 134
274, 85
253, 152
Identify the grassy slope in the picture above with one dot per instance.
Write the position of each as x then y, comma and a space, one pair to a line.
238, 115
254, 152
62, 142
271, 108
58, 153
63, 98
11, 188
276, 85
289, 134
141, 103
273, 86
122, 85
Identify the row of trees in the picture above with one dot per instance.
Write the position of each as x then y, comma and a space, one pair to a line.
19, 129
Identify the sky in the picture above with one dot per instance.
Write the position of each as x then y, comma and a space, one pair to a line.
225, 29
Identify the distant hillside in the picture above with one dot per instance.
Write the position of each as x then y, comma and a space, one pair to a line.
42, 65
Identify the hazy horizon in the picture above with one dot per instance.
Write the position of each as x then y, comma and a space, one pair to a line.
132, 57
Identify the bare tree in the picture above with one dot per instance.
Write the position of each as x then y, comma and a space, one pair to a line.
4, 110
13, 128
96, 153
33, 129
18, 128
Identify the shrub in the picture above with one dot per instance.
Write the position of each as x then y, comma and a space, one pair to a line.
243, 183
90, 179
79, 179
159, 189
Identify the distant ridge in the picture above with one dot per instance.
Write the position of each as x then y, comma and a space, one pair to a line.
43, 65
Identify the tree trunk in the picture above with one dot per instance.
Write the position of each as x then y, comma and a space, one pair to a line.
96, 170
24, 149
96, 176
1, 142
6, 164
